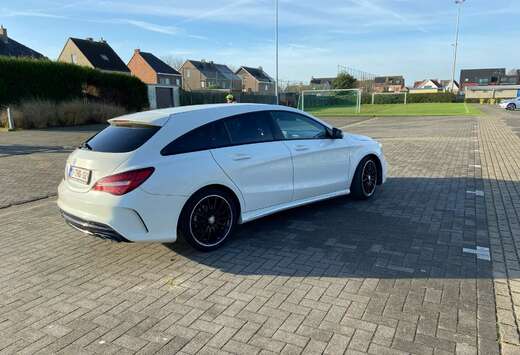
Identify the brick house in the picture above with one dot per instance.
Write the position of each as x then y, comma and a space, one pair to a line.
203, 75
93, 54
10, 48
256, 80
389, 84
162, 80
321, 83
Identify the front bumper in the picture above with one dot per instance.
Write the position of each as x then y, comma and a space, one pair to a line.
136, 217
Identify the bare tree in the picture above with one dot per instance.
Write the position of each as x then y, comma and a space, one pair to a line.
512, 72
174, 62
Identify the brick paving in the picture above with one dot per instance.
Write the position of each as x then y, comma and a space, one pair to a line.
387, 276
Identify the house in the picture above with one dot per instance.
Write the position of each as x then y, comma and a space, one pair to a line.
450, 86
481, 77
10, 48
256, 80
321, 83
93, 54
427, 86
510, 79
162, 80
203, 75
389, 84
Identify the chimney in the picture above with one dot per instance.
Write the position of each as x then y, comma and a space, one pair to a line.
137, 50
3, 34
102, 40
89, 39
260, 68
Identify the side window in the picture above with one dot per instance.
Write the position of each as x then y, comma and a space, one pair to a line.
296, 126
254, 127
211, 135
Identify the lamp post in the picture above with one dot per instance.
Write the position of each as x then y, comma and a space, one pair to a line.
456, 45
276, 50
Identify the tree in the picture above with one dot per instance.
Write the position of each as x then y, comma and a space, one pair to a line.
174, 62
344, 81
513, 72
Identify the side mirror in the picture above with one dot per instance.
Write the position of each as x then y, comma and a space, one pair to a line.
336, 133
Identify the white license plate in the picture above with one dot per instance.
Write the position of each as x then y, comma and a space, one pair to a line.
79, 174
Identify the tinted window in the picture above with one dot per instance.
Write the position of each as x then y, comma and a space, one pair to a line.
295, 126
252, 127
118, 139
212, 135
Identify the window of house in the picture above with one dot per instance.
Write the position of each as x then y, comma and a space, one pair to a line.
188, 73
202, 84
178, 82
74, 58
104, 57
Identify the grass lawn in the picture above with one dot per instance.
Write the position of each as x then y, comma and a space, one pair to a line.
435, 109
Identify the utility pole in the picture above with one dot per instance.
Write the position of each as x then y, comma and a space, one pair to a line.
276, 45
456, 45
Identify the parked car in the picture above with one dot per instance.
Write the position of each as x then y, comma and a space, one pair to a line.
197, 171
510, 104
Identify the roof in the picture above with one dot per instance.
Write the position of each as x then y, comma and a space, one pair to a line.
258, 73
446, 83
322, 80
160, 117
157, 64
100, 55
11, 48
386, 79
213, 70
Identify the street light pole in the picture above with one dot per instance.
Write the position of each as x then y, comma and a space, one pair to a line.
276, 45
459, 3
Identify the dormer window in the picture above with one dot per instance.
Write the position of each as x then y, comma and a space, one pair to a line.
104, 57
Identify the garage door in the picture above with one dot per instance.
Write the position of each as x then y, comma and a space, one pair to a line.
164, 97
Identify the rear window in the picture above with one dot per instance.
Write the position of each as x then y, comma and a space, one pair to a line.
120, 139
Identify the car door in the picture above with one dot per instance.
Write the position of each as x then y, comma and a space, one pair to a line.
321, 164
260, 166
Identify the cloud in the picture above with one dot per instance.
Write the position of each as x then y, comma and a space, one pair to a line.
152, 27
10, 13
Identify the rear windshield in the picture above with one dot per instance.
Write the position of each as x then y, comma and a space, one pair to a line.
120, 139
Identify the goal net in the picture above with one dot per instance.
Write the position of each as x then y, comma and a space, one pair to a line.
389, 98
334, 102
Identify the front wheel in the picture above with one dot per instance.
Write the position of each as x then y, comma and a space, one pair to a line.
208, 219
365, 179
511, 107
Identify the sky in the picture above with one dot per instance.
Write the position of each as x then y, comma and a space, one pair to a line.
413, 38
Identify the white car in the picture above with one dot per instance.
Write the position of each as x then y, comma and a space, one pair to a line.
197, 171
510, 104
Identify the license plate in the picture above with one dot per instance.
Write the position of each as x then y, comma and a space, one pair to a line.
79, 174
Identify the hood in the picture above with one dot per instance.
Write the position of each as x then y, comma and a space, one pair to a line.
359, 137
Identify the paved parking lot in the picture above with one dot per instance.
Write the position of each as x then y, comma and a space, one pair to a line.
407, 272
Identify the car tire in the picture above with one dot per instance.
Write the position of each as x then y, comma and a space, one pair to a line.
208, 219
511, 107
364, 182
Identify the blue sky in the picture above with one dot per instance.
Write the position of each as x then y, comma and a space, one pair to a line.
386, 37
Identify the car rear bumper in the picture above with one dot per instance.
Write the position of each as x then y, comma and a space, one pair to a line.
135, 217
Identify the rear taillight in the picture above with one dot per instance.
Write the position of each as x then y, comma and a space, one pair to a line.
122, 183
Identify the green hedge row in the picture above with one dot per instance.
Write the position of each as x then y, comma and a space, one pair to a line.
410, 98
26, 79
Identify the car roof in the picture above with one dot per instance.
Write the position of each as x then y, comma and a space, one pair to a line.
161, 116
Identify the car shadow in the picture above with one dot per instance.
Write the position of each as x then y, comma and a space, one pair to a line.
414, 227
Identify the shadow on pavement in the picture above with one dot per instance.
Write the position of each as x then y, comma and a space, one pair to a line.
414, 227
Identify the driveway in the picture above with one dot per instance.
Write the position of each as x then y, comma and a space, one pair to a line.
430, 266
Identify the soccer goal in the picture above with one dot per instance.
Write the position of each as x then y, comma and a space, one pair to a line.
334, 102
389, 98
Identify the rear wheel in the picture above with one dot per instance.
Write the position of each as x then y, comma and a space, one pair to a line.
365, 179
208, 219
511, 107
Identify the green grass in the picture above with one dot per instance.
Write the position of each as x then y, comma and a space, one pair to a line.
427, 109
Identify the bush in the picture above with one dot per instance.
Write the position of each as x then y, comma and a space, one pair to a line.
366, 98
28, 79
42, 114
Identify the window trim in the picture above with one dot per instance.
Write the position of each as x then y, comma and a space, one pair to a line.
277, 133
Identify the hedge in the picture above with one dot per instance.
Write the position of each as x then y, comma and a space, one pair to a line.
28, 79
388, 98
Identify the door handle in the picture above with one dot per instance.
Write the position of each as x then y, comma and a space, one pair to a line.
238, 157
301, 148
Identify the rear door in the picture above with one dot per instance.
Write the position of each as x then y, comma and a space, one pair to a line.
100, 155
321, 164
258, 165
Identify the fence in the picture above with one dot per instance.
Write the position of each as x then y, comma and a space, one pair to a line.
216, 97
